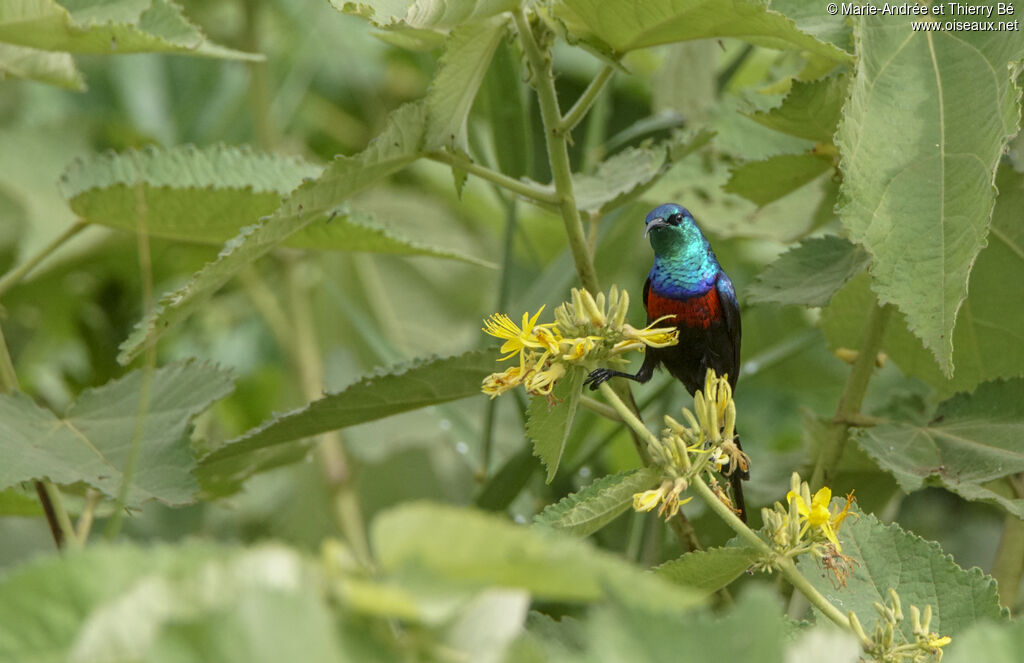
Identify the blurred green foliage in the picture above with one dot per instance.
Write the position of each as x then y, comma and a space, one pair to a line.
767, 178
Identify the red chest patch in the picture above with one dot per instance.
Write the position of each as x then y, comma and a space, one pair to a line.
699, 311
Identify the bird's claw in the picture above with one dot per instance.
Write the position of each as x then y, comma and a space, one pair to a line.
597, 377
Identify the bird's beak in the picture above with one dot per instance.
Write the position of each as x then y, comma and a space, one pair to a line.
655, 223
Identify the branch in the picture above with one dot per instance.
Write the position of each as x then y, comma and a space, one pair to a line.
850, 402
543, 197
785, 565
543, 82
586, 100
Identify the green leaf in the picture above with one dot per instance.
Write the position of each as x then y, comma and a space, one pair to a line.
210, 194
38, 620
467, 55
992, 642
108, 27
503, 101
811, 110
708, 570
920, 572
91, 442
987, 340
762, 182
809, 273
440, 15
398, 145
184, 193
193, 602
753, 630
504, 486
918, 187
35, 65
833, 28
632, 171
472, 548
973, 439
597, 504
399, 389
614, 29
548, 423
488, 625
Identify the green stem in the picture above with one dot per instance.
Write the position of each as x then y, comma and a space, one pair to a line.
504, 287
802, 585
600, 408
259, 82
853, 396
49, 496
545, 197
61, 514
543, 81
586, 100
1008, 566
787, 566
149, 368
15, 275
8, 377
630, 418
345, 500
85, 520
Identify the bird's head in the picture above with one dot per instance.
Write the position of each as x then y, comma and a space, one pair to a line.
671, 229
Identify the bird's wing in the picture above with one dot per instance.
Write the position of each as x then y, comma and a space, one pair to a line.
647, 289
731, 313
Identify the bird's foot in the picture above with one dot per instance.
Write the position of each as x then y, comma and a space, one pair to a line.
599, 376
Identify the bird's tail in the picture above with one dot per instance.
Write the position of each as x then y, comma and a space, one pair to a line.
736, 479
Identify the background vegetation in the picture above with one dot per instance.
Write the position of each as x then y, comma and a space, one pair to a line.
186, 259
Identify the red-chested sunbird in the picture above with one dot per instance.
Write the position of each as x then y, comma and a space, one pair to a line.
687, 283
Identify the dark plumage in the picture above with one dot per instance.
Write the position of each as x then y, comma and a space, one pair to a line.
687, 283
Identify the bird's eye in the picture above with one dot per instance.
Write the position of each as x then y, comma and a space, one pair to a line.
675, 219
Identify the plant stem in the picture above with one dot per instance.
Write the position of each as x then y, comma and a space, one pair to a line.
603, 409
15, 275
853, 396
504, 287
49, 497
543, 81
8, 377
149, 367
345, 500
586, 100
85, 520
259, 81
60, 514
787, 566
544, 197
1008, 566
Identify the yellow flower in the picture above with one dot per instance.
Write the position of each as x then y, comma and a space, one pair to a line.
817, 514
579, 347
667, 494
496, 384
516, 340
655, 337
542, 382
647, 500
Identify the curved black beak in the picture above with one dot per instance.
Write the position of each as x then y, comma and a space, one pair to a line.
656, 222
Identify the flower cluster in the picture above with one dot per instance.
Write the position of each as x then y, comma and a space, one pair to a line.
809, 524
587, 330
706, 444
888, 642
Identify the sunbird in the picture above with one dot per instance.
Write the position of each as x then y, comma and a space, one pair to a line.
687, 283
